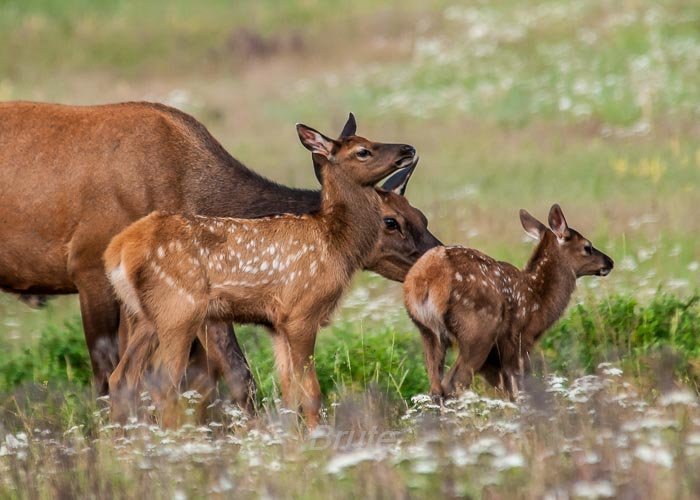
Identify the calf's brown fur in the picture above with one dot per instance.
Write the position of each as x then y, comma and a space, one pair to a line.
403, 238
175, 272
491, 310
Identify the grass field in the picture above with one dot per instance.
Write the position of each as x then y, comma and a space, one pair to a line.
593, 105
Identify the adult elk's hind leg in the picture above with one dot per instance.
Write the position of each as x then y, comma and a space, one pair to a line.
492, 370
202, 375
99, 308
224, 356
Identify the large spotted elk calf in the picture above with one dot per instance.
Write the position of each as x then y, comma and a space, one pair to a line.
175, 272
403, 238
72, 177
491, 310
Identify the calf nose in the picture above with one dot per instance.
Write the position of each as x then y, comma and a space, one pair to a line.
408, 150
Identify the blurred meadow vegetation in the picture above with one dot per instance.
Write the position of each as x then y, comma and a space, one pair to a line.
511, 104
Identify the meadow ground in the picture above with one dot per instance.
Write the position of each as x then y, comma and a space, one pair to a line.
593, 105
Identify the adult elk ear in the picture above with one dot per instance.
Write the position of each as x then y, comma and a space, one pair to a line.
316, 142
557, 222
532, 226
397, 182
318, 161
317, 168
350, 127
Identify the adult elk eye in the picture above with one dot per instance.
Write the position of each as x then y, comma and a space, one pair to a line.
588, 249
363, 153
391, 223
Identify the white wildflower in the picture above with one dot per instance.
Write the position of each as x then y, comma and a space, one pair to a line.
460, 457
488, 445
593, 489
556, 384
693, 439
224, 484
608, 369
16, 442
677, 283
582, 388
644, 254
341, 462
657, 455
627, 263
192, 448
191, 396
681, 397
424, 466
650, 422
510, 461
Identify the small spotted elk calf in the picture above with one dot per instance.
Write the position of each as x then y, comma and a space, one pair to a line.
173, 273
491, 310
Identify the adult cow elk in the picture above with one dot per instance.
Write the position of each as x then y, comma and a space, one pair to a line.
71, 177
288, 272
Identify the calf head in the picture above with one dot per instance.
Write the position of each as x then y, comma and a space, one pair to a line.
573, 250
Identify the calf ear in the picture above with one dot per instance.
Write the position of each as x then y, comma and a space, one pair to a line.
315, 141
350, 127
557, 222
397, 182
532, 226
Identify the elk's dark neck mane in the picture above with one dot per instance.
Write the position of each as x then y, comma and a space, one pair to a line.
238, 191
552, 285
351, 215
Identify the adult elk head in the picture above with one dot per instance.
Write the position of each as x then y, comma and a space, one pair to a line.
405, 235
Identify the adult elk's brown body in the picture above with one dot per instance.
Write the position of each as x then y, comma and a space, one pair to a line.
174, 272
71, 177
493, 311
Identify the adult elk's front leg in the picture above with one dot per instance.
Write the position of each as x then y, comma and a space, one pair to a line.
224, 356
100, 316
516, 366
99, 308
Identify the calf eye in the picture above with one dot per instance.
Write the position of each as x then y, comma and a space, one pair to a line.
363, 153
588, 249
391, 223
